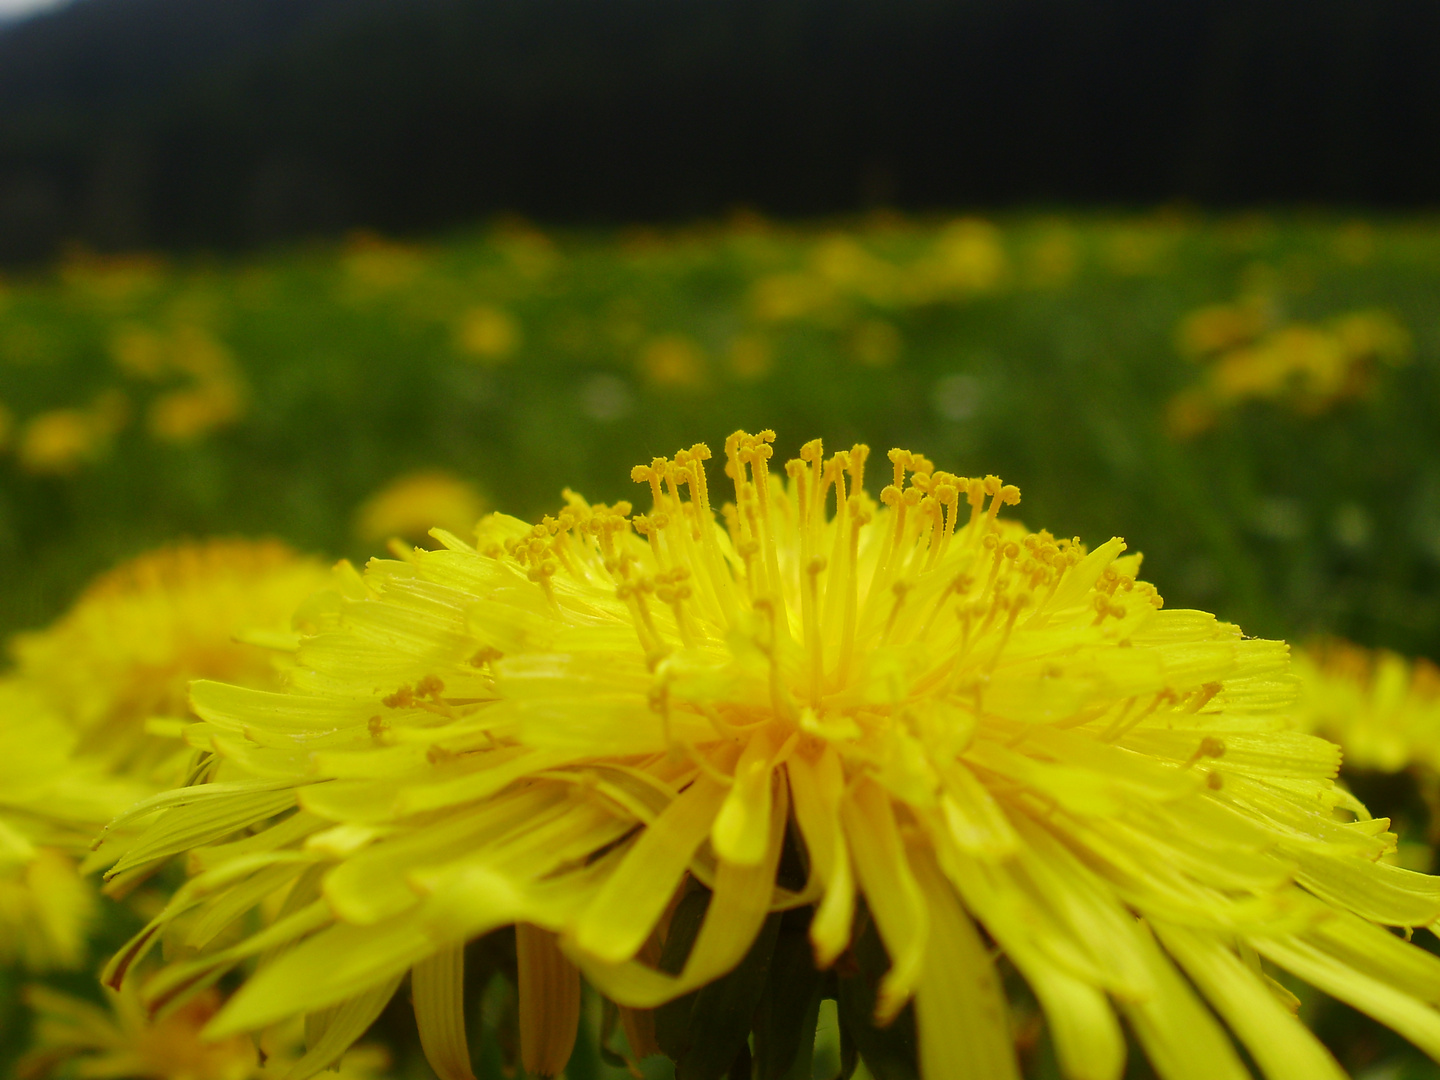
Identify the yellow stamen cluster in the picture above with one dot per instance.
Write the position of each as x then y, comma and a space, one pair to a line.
568, 727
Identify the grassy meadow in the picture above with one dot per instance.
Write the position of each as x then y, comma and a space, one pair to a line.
1251, 401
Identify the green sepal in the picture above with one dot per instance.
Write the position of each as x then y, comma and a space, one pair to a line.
724, 1010
889, 1052
790, 1007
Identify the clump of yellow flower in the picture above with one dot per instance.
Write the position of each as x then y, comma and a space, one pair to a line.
78, 1037
1309, 367
978, 734
89, 714
1382, 708
411, 505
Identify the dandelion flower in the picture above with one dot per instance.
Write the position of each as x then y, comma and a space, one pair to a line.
1382, 708
122, 1041
413, 504
77, 716
118, 664
610, 728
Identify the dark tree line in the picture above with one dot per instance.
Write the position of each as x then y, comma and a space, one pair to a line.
185, 123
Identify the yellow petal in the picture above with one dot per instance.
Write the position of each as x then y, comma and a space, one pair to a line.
613, 928
549, 1001
742, 827
1282, 1046
817, 787
891, 892
438, 987
960, 1012
342, 1025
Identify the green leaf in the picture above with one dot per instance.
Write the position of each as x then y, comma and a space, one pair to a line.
724, 1010
789, 1008
889, 1052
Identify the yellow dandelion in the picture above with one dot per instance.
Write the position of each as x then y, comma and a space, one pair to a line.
122, 1041
1382, 708
489, 334
59, 441
83, 714
413, 504
50, 807
674, 360
914, 730
120, 661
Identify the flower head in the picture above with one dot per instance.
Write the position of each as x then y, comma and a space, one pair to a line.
911, 717
1383, 709
125, 653
123, 1041
80, 712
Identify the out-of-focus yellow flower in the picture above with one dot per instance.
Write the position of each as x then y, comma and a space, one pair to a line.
213, 395
571, 724
410, 506
1355, 242
60, 441
185, 415
489, 334
1383, 709
75, 1037
846, 265
1308, 367
1052, 259
876, 343
751, 357
123, 656
46, 908
673, 360
87, 717
50, 807
372, 264
1137, 249
1221, 327
788, 297
968, 257
111, 278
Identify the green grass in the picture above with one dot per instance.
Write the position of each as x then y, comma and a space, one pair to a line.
1051, 363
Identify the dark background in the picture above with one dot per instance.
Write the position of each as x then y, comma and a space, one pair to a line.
190, 124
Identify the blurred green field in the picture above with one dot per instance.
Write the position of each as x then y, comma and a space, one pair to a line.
1277, 463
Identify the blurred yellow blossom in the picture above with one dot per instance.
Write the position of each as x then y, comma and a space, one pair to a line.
673, 360
489, 334
751, 357
211, 393
76, 1037
1383, 709
876, 343
123, 656
46, 909
111, 278
185, 415
373, 264
848, 266
786, 297
969, 256
1052, 259
59, 441
1309, 367
411, 505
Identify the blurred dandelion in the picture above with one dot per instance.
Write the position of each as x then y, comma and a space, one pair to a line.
1250, 355
79, 1037
673, 360
59, 441
602, 728
411, 505
488, 334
